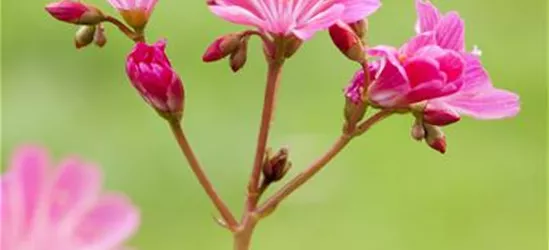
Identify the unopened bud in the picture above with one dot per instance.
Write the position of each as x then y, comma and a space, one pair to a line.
440, 116
75, 12
435, 138
100, 39
222, 47
277, 166
238, 57
418, 130
84, 36
347, 42
152, 75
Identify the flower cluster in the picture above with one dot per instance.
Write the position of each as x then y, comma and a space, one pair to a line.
433, 77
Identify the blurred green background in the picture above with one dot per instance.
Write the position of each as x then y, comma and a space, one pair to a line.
386, 192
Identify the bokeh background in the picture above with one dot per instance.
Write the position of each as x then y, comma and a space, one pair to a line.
386, 192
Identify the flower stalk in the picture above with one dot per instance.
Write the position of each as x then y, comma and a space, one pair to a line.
202, 178
273, 81
131, 34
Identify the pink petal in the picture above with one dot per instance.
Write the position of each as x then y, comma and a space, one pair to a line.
75, 188
428, 16
475, 76
356, 10
450, 32
391, 83
29, 168
319, 22
424, 91
418, 42
430, 51
421, 70
384, 51
488, 104
237, 15
9, 218
452, 64
107, 225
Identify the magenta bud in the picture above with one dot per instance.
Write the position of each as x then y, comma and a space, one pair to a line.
222, 47
435, 138
347, 42
440, 117
151, 73
75, 12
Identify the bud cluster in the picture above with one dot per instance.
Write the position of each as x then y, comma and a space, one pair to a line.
234, 45
433, 135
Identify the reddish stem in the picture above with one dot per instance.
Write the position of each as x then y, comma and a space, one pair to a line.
319, 164
201, 176
134, 36
273, 80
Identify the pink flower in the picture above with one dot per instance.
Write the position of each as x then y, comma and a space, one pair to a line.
302, 18
61, 208
416, 72
74, 12
434, 70
135, 12
151, 73
477, 97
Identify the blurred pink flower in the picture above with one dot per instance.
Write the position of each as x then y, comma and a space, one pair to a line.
74, 12
62, 208
434, 69
135, 12
302, 18
151, 73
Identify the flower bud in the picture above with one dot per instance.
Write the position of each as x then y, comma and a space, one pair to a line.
84, 36
99, 38
222, 47
347, 42
75, 12
435, 138
151, 73
440, 117
418, 130
239, 56
277, 166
